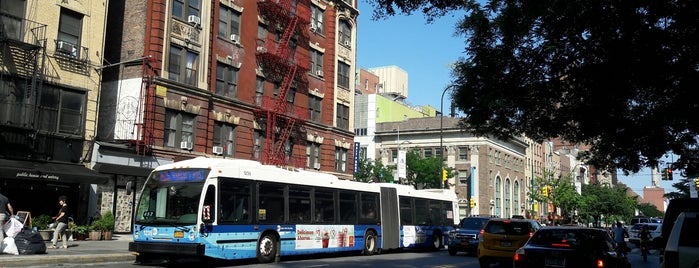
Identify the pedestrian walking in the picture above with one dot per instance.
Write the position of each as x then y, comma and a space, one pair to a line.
61, 223
6, 212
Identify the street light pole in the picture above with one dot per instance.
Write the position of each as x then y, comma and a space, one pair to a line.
441, 127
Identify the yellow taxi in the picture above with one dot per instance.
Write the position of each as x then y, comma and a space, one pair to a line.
500, 238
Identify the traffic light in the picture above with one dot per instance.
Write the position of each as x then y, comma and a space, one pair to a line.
696, 184
669, 174
664, 173
545, 191
444, 175
473, 201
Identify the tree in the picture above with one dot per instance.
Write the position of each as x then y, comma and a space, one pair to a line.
425, 173
682, 187
373, 171
649, 210
562, 194
612, 202
616, 75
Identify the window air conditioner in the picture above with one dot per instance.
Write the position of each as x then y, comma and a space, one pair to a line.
319, 72
316, 165
313, 28
65, 47
218, 150
194, 19
235, 38
186, 145
347, 43
261, 49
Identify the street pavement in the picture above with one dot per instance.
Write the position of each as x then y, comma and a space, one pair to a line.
85, 251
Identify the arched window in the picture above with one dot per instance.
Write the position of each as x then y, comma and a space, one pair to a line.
516, 197
498, 196
508, 210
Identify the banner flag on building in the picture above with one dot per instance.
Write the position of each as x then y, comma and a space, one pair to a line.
401, 164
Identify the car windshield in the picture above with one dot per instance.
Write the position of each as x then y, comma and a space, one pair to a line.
507, 227
473, 223
571, 238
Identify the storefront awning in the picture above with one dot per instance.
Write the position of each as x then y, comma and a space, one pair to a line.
50, 172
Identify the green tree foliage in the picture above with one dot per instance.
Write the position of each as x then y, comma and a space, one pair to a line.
373, 171
619, 76
562, 195
649, 210
612, 202
682, 187
425, 173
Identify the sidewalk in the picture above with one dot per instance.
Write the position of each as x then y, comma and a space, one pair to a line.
86, 251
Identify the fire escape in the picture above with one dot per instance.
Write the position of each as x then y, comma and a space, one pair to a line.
23, 46
288, 20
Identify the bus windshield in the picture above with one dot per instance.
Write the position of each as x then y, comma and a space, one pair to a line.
171, 197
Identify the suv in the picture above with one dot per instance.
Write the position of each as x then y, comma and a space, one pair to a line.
674, 208
682, 249
654, 229
465, 236
500, 238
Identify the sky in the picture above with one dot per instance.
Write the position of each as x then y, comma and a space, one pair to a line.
425, 52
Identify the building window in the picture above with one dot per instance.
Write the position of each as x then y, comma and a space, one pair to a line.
69, 31
183, 65
463, 177
316, 19
427, 152
342, 116
316, 63
228, 23
508, 210
438, 152
290, 94
343, 74
345, 33
515, 198
62, 111
340, 159
226, 80
179, 128
258, 138
314, 105
498, 197
313, 155
463, 153
224, 136
183, 8
259, 90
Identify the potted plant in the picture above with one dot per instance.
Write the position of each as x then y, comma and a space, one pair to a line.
95, 228
41, 223
80, 232
107, 225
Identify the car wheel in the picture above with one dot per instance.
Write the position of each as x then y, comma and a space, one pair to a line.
452, 252
370, 243
484, 263
267, 248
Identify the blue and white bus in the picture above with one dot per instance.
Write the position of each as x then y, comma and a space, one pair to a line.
240, 209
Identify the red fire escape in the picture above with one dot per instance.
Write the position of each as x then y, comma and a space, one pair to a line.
282, 64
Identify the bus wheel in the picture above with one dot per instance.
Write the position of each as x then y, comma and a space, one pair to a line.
267, 248
436, 241
370, 243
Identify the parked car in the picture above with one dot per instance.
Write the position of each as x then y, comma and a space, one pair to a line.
568, 246
500, 238
639, 219
465, 236
674, 208
655, 230
682, 248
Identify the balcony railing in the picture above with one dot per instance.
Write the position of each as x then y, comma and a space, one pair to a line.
19, 29
70, 50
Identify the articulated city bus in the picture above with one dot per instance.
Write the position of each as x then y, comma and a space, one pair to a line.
240, 209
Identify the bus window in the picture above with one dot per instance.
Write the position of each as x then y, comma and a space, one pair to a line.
406, 211
436, 212
369, 205
235, 201
348, 208
422, 214
324, 207
299, 205
271, 207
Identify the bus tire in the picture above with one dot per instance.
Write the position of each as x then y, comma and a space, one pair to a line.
267, 248
370, 243
436, 241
